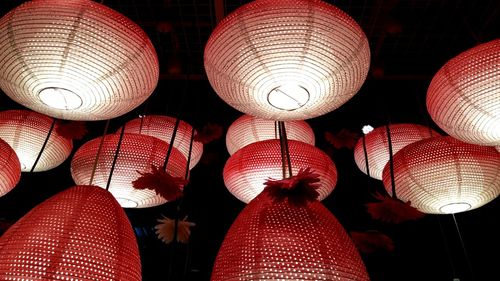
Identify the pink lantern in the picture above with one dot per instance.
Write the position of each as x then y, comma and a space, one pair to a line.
463, 97
246, 171
137, 153
249, 129
79, 234
443, 175
287, 59
377, 145
25, 131
75, 59
162, 127
10, 168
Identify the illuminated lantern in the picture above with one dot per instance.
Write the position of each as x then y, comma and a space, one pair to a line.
10, 168
162, 127
272, 240
443, 175
246, 171
377, 145
137, 153
75, 59
26, 131
464, 95
287, 59
78, 234
249, 129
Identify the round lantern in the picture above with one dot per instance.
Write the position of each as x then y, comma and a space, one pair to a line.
464, 95
272, 240
75, 59
246, 171
10, 168
443, 175
79, 234
377, 145
136, 154
162, 127
287, 59
249, 129
26, 131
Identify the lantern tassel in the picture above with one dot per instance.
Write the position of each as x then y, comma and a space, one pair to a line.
392, 210
161, 182
298, 189
73, 130
372, 241
209, 133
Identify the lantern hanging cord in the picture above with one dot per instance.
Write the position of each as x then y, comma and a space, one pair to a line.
391, 161
466, 255
98, 154
446, 246
171, 144
117, 151
44, 145
285, 152
366, 155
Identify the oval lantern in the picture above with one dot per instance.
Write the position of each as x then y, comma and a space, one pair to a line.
246, 171
78, 234
75, 59
443, 175
10, 168
26, 131
287, 59
136, 154
249, 129
377, 145
272, 240
162, 127
463, 97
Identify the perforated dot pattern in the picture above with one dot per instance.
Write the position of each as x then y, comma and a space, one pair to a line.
25, 131
309, 46
464, 95
246, 171
137, 153
10, 168
437, 172
104, 59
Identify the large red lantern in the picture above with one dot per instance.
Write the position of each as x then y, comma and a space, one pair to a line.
10, 168
79, 234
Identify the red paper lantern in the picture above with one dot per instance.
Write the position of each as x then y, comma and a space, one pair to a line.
75, 59
249, 129
464, 95
246, 171
137, 153
25, 131
79, 234
443, 175
10, 168
377, 145
272, 240
162, 127
287, 59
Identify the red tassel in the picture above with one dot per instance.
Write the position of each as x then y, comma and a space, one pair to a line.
392, 210
344, 138
161, 182
73, 130
372, 241
209, 133
297, 189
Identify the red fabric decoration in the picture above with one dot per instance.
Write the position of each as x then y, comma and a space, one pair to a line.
209, 133
73, 130
161, 182
372, 241
343, 139
297, 189
392, 210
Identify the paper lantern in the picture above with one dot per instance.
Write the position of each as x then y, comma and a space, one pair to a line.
443, 175
464, 95
25, 131
79, 234
137, 153
75, 59
377, 145
249, 129
275, 241
10, 168
162, 127
246, 171
287, 59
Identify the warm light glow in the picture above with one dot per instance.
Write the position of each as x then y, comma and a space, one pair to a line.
288, 97
366, 129
59, 98
453, 208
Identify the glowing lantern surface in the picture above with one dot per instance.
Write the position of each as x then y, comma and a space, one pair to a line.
246, 171
75, 59
25, 131
444, 175
10, 168
275, 241
377, 145
79, 234
287, 59
464, 95
249, 129
137, 153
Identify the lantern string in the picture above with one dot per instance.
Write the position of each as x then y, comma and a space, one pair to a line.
98, 154
466, 255
44, 144
171, 144
446, 246
117, 151
366, 155
285, 152
391, 161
